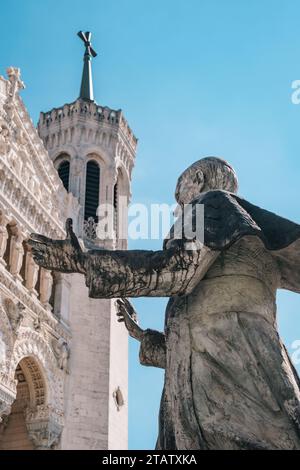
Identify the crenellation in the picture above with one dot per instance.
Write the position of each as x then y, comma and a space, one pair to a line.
100, 120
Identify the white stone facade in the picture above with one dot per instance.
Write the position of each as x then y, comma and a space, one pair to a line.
63, 356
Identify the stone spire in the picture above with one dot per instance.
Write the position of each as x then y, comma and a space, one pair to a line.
86, 89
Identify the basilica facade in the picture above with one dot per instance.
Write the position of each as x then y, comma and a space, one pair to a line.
63, 356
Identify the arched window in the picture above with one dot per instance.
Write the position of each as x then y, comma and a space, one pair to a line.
92, 186
64, 173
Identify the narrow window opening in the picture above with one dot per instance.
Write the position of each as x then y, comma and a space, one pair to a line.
64, 173
92, 188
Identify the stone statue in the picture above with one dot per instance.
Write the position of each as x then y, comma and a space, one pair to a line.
15, 313
229, 382
15, 85
62, 353
4, 139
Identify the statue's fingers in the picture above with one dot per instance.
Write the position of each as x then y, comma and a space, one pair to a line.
128, 305
121, 307
69, 226
40, 260
71, 235
39, 253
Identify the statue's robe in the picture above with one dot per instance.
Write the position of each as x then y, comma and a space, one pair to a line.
229, 382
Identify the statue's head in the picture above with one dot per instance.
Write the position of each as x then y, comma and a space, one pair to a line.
207, 174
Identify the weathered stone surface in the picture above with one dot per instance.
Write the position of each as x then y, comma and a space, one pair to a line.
229, 383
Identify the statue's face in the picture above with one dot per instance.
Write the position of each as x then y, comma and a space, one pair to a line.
189, 185
208, 174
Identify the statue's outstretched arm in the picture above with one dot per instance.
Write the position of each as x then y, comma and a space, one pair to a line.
137, 273
58, 255
113, 274
153, 343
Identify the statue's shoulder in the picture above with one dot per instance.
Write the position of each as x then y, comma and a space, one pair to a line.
228, 217
217, 199
224, 219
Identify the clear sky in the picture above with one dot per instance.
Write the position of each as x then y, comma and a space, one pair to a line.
194, 78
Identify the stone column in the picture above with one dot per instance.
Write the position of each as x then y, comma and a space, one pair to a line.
46, 282
62, 296
16, 252
31, 272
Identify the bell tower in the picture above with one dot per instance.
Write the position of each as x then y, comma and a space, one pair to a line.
93, 149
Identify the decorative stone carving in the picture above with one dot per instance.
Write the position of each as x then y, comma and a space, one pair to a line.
31, 272
20, 138
15, 313
2, 349
16, 253
90, 228
16, 84
37, 324
3, 235
43, 435
31, 197
48, 387
5, 409
44, 427
4, 139
62, 353
6, 399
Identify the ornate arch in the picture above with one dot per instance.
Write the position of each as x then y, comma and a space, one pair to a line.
31, 344
44, 415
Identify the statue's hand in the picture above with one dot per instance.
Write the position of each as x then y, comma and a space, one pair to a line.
127, 314
58, 255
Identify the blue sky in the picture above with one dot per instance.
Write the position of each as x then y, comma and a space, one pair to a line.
194, 78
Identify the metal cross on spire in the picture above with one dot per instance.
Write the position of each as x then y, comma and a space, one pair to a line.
86, 89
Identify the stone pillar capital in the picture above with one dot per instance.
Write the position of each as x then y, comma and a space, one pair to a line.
44, 426
7, 398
